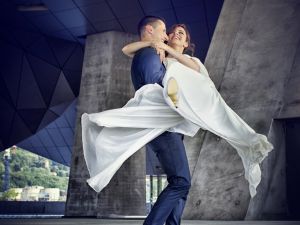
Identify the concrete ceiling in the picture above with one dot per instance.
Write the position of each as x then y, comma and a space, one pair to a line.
75, 19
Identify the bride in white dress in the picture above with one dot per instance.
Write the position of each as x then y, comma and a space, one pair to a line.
187, 102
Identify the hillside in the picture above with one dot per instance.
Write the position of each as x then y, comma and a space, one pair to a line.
28, 169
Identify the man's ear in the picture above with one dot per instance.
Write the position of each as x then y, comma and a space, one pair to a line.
149, 29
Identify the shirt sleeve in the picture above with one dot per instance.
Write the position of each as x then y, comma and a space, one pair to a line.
153, 70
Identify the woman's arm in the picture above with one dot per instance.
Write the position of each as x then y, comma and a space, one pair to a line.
189, 62
131, 48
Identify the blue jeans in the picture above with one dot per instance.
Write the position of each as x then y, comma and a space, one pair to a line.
169, 206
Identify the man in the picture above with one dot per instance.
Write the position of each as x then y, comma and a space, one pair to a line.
147, 69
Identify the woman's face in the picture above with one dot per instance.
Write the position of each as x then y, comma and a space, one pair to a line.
178, 37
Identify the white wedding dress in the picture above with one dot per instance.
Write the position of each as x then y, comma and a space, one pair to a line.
111, 137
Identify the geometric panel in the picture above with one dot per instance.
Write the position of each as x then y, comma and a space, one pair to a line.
6, 36
58, 5
36, 150
201, 36
180, 3
31, 64
36, 141
4, 94
46, 22
73, 77
46, 139
62, 122
62, 92
82, 31
213, 9
155, 5
32, 117
196, 13
56, 137
86, 2
75, 61
11, 62
55, 140
19, 130
27, 37
41, 49
6, 119
68, 135
71, 18
25, 144
21, 24
107, 26
49, 116
59, 109
46, 76
65, 154
168, 15
61, 49
93, 15
70, 114
29, 92
129, 8
55, 154
63, 34
129, 23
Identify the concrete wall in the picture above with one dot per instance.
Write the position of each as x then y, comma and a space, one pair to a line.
291, 99
254, 61
105, 84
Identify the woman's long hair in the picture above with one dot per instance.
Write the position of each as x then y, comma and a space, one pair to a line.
191, 47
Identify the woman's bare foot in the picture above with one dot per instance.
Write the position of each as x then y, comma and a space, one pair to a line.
172, 89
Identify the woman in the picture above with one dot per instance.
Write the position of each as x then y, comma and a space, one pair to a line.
179, 42
188, 101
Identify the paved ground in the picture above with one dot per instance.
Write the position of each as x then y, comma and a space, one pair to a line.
74, 221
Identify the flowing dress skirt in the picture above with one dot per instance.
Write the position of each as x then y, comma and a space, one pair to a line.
111, 137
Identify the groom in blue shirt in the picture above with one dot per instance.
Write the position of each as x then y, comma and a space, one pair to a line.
147, 68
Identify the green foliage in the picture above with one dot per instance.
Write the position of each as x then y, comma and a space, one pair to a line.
1, 172
28, 169
9, 195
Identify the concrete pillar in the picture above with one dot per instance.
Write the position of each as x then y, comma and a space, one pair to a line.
105, 84
271, 201
253, 60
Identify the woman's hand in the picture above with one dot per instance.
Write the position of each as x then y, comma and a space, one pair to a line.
160, 48
162, 54
158, 45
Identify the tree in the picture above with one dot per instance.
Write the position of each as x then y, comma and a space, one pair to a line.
9, 195
27, 169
